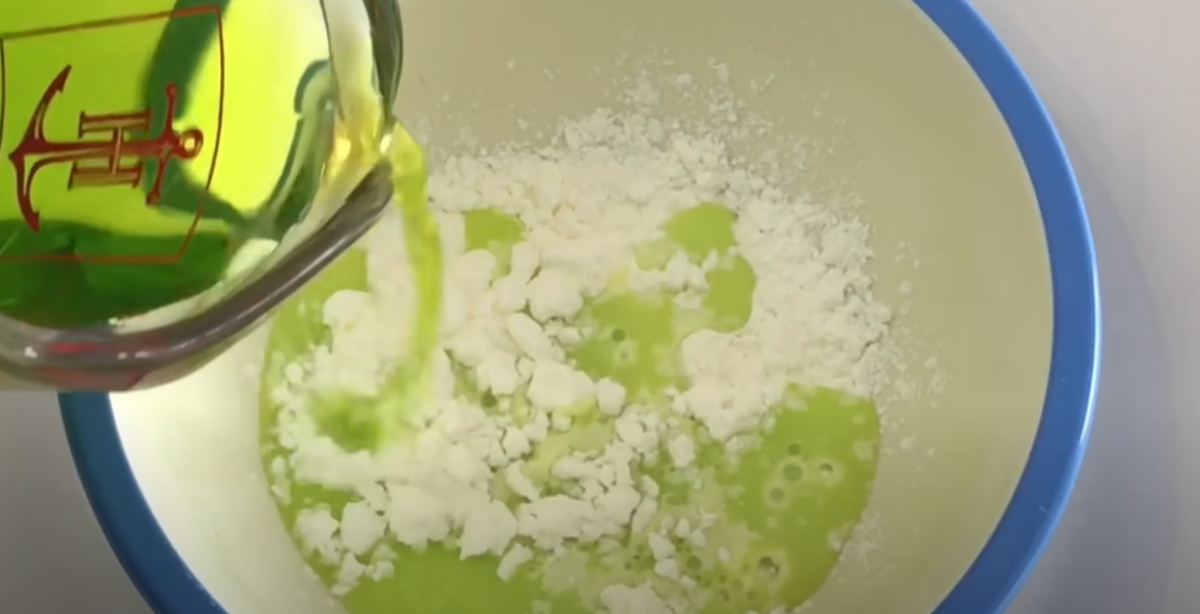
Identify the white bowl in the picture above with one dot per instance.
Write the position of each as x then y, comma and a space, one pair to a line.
950, 151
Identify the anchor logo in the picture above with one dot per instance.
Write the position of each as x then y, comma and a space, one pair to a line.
109, 151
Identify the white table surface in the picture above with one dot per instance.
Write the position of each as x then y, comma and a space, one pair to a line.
1122, 80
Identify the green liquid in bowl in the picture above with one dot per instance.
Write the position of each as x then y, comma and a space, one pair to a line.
782, 508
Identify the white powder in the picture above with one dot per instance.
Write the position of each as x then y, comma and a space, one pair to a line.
683, 451
608, 184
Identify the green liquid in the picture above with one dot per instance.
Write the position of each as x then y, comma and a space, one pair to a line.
785, 505
105, 251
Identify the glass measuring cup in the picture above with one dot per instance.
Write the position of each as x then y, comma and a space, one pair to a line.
174, 169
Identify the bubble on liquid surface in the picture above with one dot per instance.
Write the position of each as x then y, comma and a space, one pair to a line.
792, 472
767, 567
831, 472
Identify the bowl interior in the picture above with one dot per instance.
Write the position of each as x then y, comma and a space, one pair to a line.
898, 121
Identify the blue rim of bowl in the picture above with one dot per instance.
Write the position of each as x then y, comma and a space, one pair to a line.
1001, 568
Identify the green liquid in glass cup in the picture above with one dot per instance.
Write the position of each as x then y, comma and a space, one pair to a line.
173, 170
